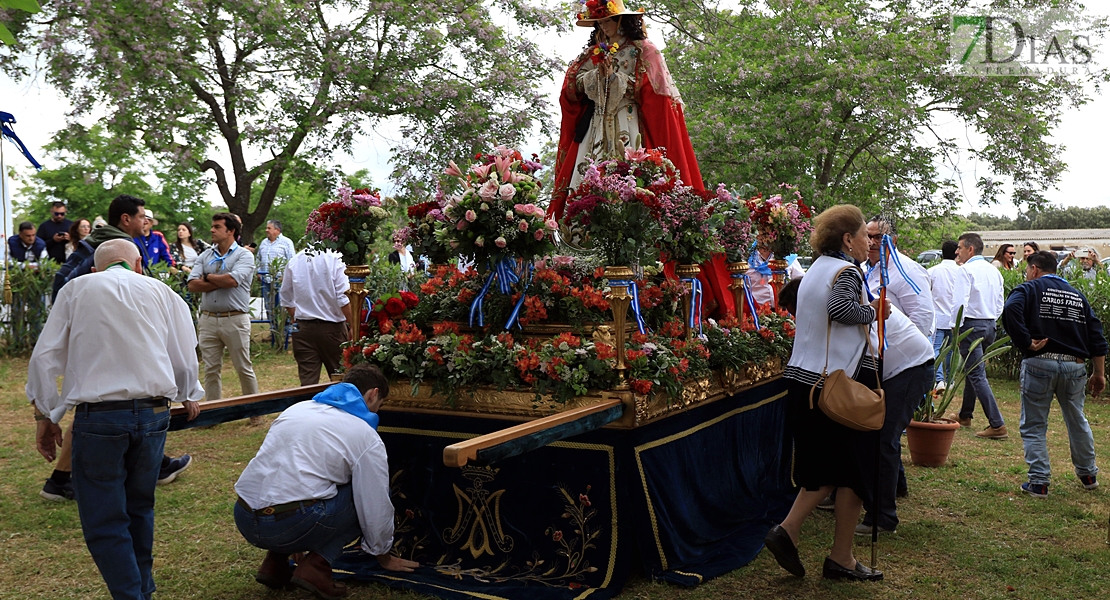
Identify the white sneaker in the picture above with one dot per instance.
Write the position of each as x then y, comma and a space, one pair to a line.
940, 386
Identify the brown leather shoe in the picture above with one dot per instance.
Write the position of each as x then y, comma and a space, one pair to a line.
994, 433
965, 423
275, 571
314, 574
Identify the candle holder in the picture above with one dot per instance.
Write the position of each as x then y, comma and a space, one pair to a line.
619, 299
687, 273
736, 272
356, 275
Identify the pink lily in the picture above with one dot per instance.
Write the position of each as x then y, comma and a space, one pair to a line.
453, 170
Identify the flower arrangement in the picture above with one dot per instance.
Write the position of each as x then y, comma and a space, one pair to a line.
348, 224
573, 365
424, 219
653, 366
389, 308
782, 221
735, 231
617, 206
689, 226
495, 216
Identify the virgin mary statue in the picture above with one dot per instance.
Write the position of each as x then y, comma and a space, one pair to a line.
617, 95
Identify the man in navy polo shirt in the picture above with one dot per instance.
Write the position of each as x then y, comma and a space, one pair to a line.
1054, 327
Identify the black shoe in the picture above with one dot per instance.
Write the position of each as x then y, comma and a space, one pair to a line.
784, 551
833, 570
57, 493
176, 466
902, 492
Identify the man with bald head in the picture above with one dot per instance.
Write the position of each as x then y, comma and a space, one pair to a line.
120, 400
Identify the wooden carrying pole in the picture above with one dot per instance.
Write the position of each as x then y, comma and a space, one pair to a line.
506, 443
259, 404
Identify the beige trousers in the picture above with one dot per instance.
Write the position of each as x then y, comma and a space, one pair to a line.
234, 333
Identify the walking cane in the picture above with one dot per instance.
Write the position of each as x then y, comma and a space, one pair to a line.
878, 438
881, 325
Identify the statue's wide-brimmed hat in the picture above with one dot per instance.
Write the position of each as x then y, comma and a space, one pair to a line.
596, 10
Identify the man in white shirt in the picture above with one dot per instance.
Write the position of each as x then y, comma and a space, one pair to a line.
907, 377
984, 306
313, 293
320, 480
917, 304
951, 285
120, 400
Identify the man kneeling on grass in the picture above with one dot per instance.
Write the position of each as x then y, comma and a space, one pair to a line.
322, 463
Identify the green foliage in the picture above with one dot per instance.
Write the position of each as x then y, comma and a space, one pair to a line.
8, 10
271, 81
92, 166
918, 234
1049, 217
31, 286
178, 282
841, 97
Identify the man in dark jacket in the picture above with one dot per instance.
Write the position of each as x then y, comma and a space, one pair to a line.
54, 232
1054, 327
125, 222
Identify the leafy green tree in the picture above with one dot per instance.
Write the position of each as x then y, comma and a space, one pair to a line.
16, 13
989, 222
270, 81
842, 97
1072, 217
93, 167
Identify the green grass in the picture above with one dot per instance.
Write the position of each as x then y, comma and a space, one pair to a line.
966, 531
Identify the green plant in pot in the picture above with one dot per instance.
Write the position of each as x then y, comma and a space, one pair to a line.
929, 435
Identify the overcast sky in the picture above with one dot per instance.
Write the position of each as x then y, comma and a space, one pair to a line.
40, 111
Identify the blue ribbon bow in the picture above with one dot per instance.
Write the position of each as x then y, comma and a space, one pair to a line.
506, 275
520, 303
6, 131
890, 251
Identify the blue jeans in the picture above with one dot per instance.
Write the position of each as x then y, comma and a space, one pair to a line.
1040, 379
325, 527
977, 385
941, 336
116, 457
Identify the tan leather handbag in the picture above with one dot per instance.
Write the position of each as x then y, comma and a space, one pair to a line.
845, 400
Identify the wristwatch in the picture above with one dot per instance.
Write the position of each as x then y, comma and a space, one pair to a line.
204, 278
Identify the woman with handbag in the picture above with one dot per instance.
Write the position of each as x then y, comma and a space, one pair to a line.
830, 308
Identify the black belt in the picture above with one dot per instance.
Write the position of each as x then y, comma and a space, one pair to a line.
140, 404
278, 511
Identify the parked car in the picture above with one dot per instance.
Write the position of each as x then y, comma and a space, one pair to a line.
929, 256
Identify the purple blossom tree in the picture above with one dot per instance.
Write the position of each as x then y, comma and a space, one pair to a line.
215, 83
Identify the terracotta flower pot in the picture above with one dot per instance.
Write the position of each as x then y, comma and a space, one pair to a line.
930, 443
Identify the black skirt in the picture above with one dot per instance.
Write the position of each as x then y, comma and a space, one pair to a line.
826, 452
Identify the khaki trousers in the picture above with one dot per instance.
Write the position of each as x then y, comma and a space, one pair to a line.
234, 333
